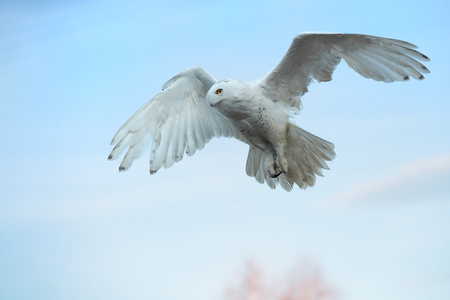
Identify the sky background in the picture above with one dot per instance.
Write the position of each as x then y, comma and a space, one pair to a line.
72, 227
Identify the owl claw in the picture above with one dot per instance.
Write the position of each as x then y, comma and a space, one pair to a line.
275, 175
275, 171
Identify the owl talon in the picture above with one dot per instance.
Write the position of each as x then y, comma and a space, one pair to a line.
275, 171
275, 175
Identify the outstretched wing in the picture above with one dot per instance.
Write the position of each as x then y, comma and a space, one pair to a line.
176, 121
316, 55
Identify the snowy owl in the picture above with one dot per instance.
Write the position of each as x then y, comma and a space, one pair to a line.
193, 107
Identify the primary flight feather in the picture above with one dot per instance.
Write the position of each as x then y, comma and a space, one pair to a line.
194, 107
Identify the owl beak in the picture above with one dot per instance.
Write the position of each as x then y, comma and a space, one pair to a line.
213, 103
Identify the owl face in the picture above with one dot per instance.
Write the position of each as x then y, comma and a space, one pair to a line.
229, 89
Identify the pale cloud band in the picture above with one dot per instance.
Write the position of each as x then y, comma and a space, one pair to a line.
404, 177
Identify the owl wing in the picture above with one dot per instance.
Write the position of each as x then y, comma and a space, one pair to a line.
174, 122
316, 55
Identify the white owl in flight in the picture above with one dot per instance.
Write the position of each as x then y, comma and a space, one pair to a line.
194, 107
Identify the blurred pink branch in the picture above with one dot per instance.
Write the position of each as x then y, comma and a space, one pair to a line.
305, 282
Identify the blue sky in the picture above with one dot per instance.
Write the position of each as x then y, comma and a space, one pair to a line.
72, 227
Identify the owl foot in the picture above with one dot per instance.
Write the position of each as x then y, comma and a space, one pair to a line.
274, 171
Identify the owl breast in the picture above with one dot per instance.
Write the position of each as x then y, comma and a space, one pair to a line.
259, 119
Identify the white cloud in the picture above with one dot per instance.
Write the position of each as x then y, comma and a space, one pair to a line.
423, 174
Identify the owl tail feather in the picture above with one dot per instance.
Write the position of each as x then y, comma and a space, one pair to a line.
306, 155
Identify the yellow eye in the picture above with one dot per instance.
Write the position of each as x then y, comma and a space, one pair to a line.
219, 91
